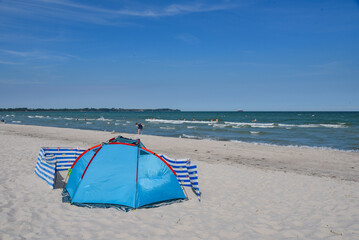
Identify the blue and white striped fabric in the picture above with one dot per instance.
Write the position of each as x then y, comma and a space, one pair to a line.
186, 173
52, 159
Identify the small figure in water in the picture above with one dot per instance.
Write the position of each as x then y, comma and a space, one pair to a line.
140, 127
255, 120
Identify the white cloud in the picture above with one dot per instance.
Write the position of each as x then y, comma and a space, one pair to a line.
8, 63
188, 38
39, 55
73, 11
18, 53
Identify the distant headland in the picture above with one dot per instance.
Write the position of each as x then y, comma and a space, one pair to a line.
86, 110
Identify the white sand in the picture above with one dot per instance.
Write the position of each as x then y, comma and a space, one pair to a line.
248, 192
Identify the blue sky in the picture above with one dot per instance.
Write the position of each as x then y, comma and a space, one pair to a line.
189, 55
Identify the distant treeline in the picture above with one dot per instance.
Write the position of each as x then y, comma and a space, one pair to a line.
86, 110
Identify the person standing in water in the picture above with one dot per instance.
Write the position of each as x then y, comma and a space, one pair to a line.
140, 127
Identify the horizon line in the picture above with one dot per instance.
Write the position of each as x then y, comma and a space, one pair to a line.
161, 108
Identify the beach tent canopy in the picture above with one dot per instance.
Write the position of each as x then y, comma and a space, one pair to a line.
124, 173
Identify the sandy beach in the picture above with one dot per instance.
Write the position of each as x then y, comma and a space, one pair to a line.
249, 191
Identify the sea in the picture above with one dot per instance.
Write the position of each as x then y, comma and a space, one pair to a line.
330, 130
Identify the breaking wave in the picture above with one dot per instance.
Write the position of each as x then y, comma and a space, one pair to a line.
103, 119
38, 116
253, 125
340, 125
190, 136
247, 124
254, 132
168, 128
288, 126
178, 121
294, 146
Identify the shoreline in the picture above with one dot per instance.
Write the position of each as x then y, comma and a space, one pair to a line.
311, 161
206, 139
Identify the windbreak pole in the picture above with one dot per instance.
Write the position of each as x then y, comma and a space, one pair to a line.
138, 152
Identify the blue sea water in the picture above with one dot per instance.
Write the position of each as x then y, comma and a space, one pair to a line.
335, 130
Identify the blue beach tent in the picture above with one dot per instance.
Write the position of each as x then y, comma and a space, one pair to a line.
124, 173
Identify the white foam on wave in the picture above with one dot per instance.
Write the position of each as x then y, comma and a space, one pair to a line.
103, 119
294, 146
341, 125
37, 116
16, 121
194, 127
254, 132
88, 122
298, 125
217, 125
287, 126
167, 128
247, 124
178, 121
190, 136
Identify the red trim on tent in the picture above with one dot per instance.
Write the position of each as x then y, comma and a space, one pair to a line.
161, 159
90, 162
83, 154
